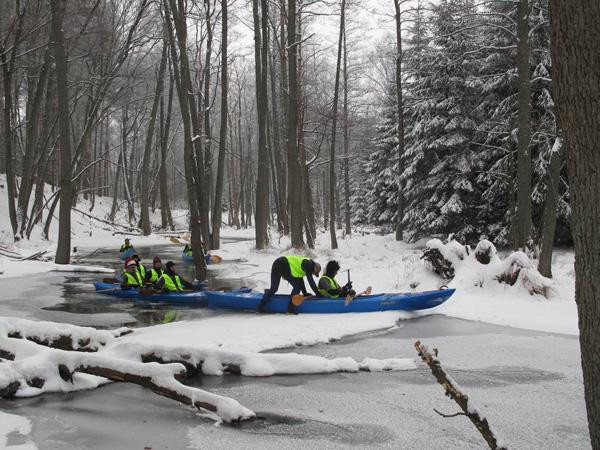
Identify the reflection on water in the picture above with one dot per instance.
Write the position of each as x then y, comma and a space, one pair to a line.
74, 293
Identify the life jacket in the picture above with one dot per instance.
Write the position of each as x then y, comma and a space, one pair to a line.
155, 275
333, 284
295, 263
125, 247
142, 271
172, 285
133, 280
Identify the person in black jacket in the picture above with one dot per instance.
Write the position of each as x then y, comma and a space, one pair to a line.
170, 280
329, 287
293, 269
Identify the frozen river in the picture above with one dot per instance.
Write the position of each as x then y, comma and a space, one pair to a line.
528, 384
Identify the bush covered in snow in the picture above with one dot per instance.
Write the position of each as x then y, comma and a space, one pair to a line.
453, 260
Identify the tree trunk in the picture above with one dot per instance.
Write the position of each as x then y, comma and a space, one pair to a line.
205, 186
550, 207
576, 80
63, 247
7, 70
524, 130
165, 208
181, 70
144, 194
294, 200
346, 165
400, 113
34, 109
332, 196
218, 199
262, 179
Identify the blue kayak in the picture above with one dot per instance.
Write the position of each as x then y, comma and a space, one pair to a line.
409, 301
126, 254
190, 259
196, 298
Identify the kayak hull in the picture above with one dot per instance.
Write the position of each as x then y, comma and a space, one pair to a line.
126, 254
190, 259
409, 301
196, 298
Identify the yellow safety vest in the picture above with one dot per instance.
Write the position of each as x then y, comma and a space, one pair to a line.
172, 285
142, 271
154, 275
333, 284
295, 263
133, 280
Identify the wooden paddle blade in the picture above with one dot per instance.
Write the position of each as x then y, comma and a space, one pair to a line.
348, 299
298, 299
215, 259
110, 280
174, 240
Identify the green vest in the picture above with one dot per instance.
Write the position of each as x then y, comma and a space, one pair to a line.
172, 285
133, 280
189, 252
154, 275
332, 283
142, 271
295, 263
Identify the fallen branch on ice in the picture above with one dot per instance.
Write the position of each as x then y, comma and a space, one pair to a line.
454, 392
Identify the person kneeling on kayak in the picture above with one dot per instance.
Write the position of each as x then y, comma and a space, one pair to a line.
131, 278
328, 287
170, 281
292, 269
155, 272
126, 246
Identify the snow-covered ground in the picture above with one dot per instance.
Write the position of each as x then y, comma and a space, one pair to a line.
373, 260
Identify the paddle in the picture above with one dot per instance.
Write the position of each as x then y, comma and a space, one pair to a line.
174, 240
298, 299
215, 259
110, 280
349, 298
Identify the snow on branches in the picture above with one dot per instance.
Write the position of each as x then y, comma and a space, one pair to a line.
38, 357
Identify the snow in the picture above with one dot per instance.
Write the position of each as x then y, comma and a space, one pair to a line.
257, 333
12, 423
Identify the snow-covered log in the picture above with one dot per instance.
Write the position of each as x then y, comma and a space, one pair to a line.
35, 368
453, 391
59, 335
211, 361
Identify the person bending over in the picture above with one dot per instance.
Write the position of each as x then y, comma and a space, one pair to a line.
293, 269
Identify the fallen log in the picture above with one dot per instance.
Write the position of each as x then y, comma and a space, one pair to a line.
453, 391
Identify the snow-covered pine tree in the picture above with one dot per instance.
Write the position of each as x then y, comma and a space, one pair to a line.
440, 166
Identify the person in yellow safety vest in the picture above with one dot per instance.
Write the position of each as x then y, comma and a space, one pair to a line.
131, 278
328, 287
141, 268
155, 272
170, 281
293, 269
126, 246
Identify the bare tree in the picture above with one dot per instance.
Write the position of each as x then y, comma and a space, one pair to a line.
218, 201
332, 189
